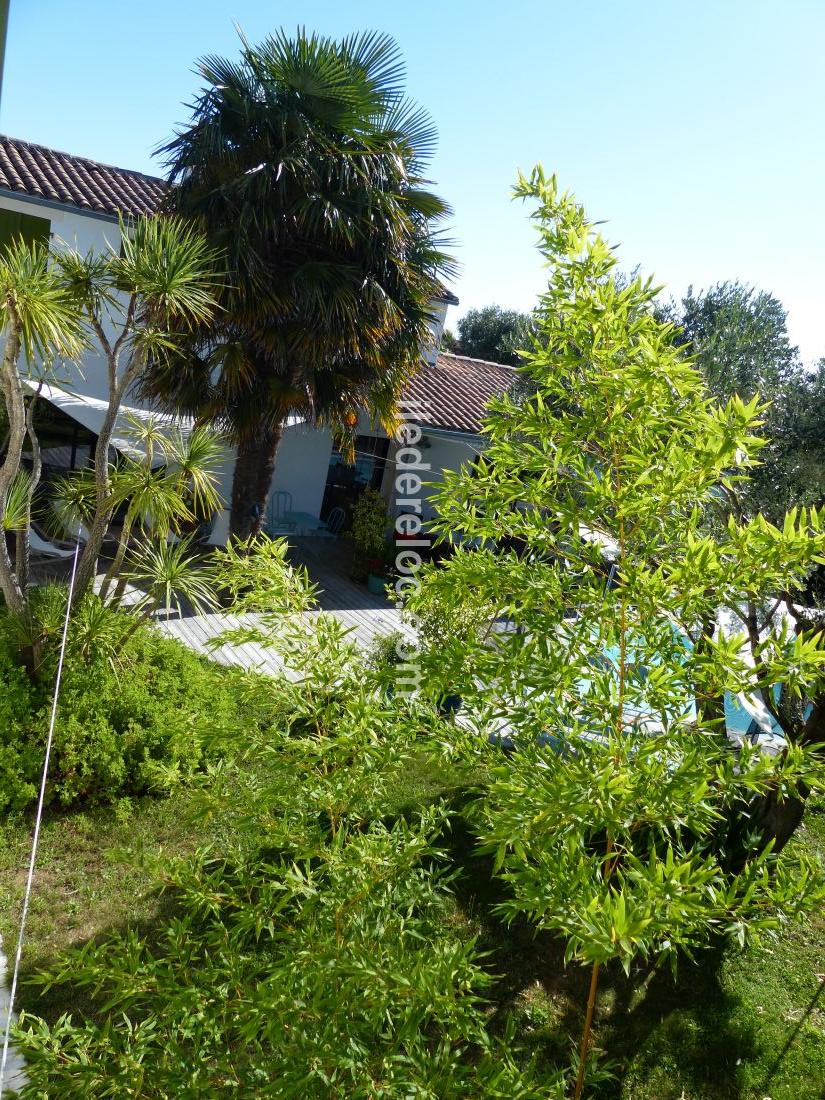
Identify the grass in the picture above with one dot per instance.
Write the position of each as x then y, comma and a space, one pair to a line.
733, 1026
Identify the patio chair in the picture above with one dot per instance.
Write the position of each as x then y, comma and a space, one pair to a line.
42, 548
279, 507
335, 521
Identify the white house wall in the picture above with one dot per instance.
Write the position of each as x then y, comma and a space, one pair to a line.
438, 318
304, 454
301, 466
72, 229
443, 453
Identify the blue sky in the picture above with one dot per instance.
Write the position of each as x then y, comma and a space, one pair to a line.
695, 129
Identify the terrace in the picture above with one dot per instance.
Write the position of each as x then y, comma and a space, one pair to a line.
366, 615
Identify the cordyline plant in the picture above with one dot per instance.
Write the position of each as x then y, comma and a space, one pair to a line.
165, 485
599, 645
137, 305
40, 321
133, 305
309, 953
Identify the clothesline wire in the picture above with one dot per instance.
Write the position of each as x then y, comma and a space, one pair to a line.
38, 821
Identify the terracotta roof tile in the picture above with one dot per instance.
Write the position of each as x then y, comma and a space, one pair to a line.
453, 395
76, 181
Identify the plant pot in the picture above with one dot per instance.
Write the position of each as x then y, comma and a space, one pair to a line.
376, 584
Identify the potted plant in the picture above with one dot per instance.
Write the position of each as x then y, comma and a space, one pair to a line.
369, 526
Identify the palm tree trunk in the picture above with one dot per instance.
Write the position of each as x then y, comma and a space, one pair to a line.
252, 479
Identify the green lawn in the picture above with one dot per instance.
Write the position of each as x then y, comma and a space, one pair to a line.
735, 1025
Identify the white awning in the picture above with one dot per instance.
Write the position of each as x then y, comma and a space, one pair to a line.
91, 412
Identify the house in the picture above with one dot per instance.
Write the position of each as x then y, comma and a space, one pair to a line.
68, 200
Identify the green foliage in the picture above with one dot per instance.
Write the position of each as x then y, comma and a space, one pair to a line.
305, 164
449, 341
37, 304
135, 708
369, 528
39, 321
793, 461
621, 822
739, 338
165, 487
334, 972
170, 574
495, 334
312, 955
17, 511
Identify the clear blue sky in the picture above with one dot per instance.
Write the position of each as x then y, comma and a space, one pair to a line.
695, 129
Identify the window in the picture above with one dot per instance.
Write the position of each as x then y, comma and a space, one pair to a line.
346, 483
31, 229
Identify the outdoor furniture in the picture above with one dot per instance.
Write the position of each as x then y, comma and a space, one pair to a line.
42, 548
278, 513
304, 523
335, 521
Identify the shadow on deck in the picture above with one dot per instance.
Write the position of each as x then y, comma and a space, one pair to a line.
365, 615
328, 561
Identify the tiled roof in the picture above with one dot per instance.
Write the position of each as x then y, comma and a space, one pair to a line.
453, 394
49, 174
75, 181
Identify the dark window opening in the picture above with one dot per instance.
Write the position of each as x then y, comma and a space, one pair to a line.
346, 482
32, 230
64, 444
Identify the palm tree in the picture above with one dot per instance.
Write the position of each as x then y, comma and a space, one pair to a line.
303, 164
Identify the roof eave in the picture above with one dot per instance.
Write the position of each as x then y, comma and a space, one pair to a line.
53, 204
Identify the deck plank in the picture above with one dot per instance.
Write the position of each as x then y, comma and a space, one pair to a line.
365, 615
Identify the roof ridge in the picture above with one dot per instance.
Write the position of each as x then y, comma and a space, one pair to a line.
473, 359
83, 160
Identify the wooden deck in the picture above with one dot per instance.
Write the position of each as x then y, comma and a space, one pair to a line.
365, 615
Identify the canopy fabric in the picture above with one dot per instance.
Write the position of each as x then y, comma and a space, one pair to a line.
91, 412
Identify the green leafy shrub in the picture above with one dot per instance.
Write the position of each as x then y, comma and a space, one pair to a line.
18, 761
137, 713
313, 956
369, 533
338, 976
624, 821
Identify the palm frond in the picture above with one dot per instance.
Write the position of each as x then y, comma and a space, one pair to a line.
197, 459
171, 576
152, 496
17, 510
37, 302
72, 502
169, 264
304, 162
